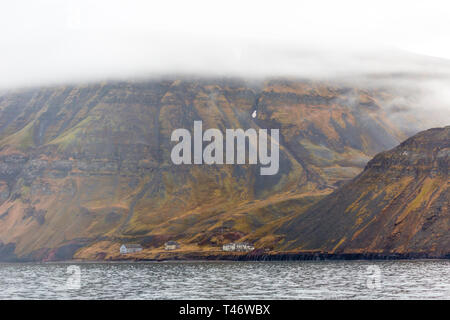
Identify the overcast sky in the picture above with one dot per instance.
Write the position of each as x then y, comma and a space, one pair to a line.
47, 41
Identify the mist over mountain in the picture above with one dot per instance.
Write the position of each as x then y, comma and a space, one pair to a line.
90, 94
86, 167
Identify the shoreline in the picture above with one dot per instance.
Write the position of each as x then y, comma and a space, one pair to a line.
252, 257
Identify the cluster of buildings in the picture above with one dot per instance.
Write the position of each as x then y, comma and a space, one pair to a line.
135, 247
173, 245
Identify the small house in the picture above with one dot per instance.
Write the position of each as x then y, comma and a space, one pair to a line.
238, 246
229, 247
130, 248
244, 246
172, 245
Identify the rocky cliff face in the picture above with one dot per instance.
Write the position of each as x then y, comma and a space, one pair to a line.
399, 204
90, 163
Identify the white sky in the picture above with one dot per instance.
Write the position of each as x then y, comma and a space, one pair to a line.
44, 41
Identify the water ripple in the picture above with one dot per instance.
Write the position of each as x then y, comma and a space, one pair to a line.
231, 280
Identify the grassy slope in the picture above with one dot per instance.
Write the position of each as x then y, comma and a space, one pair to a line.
121, 185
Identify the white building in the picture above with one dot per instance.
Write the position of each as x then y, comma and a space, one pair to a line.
130, 248
229, 247
238, 246
172, 245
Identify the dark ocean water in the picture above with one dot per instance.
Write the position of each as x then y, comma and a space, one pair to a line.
420, 279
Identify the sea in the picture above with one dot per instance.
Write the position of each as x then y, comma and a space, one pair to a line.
401, 279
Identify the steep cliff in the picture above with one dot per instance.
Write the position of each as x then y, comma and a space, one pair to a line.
85, 164
399, 204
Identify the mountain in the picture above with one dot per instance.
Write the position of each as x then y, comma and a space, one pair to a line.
84, 168
398, 204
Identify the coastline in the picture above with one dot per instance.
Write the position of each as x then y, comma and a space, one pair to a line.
282, 257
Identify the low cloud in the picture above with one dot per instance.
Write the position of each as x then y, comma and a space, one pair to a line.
52, 42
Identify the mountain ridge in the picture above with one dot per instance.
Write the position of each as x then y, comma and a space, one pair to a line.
398, 204
85, 164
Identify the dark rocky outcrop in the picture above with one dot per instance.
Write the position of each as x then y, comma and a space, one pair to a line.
399, 205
